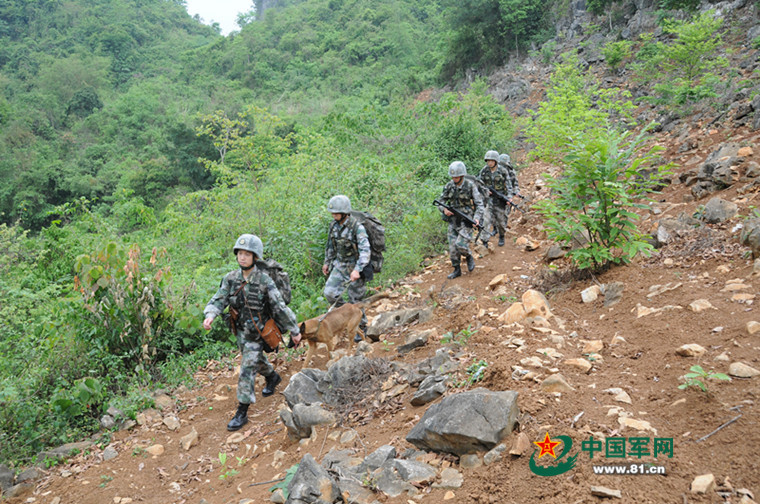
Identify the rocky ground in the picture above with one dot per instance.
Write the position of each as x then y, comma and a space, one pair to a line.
606, 361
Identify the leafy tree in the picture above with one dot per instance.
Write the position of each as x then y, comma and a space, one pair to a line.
603, 183
575, 107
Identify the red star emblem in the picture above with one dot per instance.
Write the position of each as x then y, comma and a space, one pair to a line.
547, 446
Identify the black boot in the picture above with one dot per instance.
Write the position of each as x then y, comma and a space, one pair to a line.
272, 381
457, 270
501, 240
470, 263
240, 418
358, 337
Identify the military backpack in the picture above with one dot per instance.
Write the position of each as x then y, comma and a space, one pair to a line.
376, 235
278, 275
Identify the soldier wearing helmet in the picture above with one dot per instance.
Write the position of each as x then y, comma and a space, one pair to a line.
506, 163
462, 194
493, 175
347, 253
254, 296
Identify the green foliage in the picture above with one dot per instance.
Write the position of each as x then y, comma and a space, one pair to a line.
690, 5
129, 307
698, 377
575, 106
461, 338
600, 7
475, 372
596, 197
82, 397
615, 52
286, 480
485, 31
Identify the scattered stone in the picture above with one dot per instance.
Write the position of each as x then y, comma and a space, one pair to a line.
235, 438
470, 461
556, 383
639, 425
450, 479
155, 450
494, 454
620, 395
753, 327
590, 294
6, 478
581, 364
741, 370
656, 290
678, 402
163, 402
703, 484
498, 280
719, 210
593, 346
521, 445
600, 491
691, 350
722, 357
188, 440
110, 453
723, 268
107, 422
171, 422
348, 437
701, 305
613, 293
278, 496
449, 495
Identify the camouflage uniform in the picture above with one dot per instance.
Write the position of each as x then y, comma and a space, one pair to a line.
264, 301
496, 208
347, 249
466, 198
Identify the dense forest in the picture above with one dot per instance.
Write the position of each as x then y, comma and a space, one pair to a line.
137, 144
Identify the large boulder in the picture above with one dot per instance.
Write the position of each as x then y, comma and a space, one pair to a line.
312, 484
303, 387
468, 422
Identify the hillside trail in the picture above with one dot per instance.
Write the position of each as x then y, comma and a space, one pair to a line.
630, 391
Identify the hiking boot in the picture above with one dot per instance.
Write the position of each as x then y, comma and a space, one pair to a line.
457, 270
358, 337
501, 240
240, 418
272, 381
470, 263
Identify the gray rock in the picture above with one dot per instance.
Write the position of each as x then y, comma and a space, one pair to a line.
303, 387
753, 169
450, 479
388, 320
303, 418
6, 478
494, 455
379, 457
312, 484
390, 483
18, 490
63, 451
114, 412
278, 497
415, 340
430, 389
107, 422
613, 293
343, 462
110, 453
470, 461
356, 493
719, 210
467, 422
415, 472
750, 236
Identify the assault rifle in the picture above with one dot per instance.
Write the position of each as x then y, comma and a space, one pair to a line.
461, 216
505, 198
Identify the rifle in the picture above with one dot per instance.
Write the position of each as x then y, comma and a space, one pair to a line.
462, 216
505, 198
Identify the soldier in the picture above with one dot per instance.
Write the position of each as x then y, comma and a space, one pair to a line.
256, 299
463, 195
347, 253
495, 176
506, 163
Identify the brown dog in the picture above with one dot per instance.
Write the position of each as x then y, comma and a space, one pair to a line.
324, 329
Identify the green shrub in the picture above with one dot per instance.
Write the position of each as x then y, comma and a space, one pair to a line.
615, 52
603, 184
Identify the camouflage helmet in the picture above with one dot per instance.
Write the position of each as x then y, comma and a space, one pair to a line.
457, 169
492, 155
339, 204
251, 243
504, 159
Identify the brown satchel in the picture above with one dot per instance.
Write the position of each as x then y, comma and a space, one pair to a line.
271, 334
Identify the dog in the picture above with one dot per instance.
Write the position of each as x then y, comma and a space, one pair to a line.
344, 320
